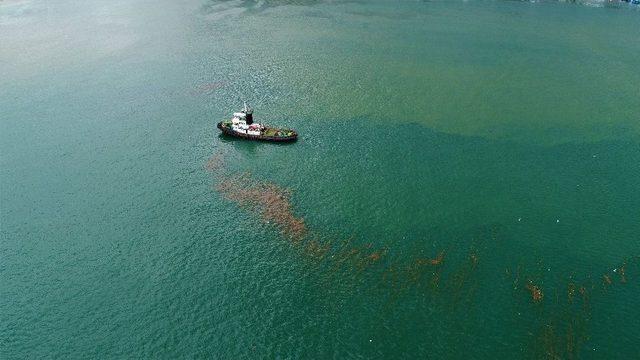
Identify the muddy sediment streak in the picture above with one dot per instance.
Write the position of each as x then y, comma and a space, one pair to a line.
267, 199
561, 327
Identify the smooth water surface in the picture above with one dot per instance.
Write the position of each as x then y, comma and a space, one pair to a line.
455, 158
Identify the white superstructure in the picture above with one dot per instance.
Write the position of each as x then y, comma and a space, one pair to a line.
242, 122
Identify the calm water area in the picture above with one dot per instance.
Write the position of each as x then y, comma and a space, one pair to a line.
466, 183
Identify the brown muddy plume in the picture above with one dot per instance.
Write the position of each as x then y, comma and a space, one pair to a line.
208, 88
562, 308
535, 291
270, 201
562, 326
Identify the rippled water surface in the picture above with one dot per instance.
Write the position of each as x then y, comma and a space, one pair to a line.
466, 182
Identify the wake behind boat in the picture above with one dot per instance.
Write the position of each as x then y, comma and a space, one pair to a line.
241, 125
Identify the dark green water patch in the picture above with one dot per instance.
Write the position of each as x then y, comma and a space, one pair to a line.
403, 225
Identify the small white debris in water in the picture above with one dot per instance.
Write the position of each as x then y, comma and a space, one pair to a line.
595, 155
519, 219
557, 220
370, 340
614, 270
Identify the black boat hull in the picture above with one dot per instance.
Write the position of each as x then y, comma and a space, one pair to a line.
229, 132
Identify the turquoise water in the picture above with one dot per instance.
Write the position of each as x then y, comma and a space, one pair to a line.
502, 136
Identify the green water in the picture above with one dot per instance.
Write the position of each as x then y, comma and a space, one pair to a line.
505, 135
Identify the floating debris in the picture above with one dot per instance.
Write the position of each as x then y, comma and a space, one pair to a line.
435, 261
620, 273
623, 278
474, 258
571, 291
461, 285
536, 293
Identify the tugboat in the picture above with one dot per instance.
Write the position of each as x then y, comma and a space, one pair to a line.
242, 126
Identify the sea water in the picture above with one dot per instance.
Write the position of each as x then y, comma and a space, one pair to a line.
465, 184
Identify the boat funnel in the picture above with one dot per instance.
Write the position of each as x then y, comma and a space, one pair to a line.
248, 114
